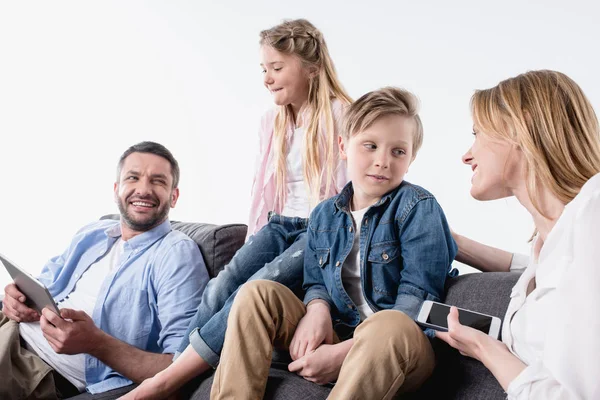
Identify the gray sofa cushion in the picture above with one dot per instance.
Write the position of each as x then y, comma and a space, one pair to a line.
281, 385
218, 243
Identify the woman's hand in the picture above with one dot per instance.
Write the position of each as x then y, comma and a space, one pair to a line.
494, 354
469, 341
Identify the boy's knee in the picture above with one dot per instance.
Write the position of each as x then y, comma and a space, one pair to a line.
257, 290
390, 324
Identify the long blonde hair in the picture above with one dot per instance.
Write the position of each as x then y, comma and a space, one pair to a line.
301, 39
549, 117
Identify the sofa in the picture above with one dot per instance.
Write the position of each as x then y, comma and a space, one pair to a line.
455, 376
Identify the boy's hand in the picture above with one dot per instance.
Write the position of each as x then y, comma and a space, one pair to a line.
13, 305
324, 364
314, 329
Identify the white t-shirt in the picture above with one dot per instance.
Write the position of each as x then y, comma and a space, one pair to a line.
297, 202
351, 276
555, 329
83, 297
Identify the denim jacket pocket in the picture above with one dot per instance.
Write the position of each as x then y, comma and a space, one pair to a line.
385, 265
384, 253
322, 257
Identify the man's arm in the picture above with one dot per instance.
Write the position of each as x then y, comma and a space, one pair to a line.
77, 333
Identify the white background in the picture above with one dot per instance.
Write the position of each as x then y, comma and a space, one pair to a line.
81, 81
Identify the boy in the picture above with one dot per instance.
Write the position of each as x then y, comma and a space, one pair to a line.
375, 252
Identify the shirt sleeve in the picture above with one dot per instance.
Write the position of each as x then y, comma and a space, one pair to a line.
258, 178
519, 262
427, 249
569, 368
314, 285
52, 269
179, 286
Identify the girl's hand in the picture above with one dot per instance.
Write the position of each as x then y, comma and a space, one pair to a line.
468, 341
314, 329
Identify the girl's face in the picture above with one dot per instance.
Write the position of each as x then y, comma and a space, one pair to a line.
498, 167
285, 77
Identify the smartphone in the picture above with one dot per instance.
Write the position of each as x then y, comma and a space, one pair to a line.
435, 315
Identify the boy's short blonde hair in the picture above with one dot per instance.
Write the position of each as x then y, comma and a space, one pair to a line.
379, 103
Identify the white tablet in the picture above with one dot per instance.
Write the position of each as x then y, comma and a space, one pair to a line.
36, 293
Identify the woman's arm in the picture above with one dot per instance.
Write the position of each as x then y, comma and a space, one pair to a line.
482, 257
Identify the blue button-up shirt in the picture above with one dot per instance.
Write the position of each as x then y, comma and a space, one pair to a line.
406, 253
147, 300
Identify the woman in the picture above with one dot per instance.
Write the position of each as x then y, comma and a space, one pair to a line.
537, 138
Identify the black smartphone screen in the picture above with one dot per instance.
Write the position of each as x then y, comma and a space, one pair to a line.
439, 316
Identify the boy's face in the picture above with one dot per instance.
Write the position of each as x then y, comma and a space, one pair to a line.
378, 158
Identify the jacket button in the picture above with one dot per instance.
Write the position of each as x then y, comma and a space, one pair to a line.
350, 229
321, 261
385, 256
337, 264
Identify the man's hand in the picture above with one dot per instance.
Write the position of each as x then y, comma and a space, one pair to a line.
74, 333
13, 305
324, 364
314, 329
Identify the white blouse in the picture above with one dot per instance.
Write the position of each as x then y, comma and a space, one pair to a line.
297, 202
556, 329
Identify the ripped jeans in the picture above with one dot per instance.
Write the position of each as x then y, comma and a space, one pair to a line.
275, 253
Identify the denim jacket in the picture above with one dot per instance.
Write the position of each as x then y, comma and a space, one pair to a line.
406, 253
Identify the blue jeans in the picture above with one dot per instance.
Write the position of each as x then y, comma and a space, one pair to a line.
275, 253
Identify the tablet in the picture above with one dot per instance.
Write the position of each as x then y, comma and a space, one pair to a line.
37, 295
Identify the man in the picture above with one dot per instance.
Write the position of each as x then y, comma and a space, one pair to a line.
126, 289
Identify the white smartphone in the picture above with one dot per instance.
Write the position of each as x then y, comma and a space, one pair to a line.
434, 315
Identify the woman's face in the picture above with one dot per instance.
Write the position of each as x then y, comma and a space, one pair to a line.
498, 167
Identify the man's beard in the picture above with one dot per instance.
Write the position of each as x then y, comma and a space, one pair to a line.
151, 220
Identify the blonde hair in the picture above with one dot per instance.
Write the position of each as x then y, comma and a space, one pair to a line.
301, 39
547, 115
379, 103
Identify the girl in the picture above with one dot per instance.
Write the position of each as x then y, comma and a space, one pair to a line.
297, 167
537, 138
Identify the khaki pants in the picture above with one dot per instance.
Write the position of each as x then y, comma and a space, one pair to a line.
24, 375
390, 353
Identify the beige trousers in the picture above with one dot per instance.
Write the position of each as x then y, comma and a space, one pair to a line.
390, 353
24, 375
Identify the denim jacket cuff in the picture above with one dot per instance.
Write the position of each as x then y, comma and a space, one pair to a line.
315, 293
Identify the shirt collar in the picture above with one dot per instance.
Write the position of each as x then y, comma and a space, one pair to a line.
343, 200
143, 239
